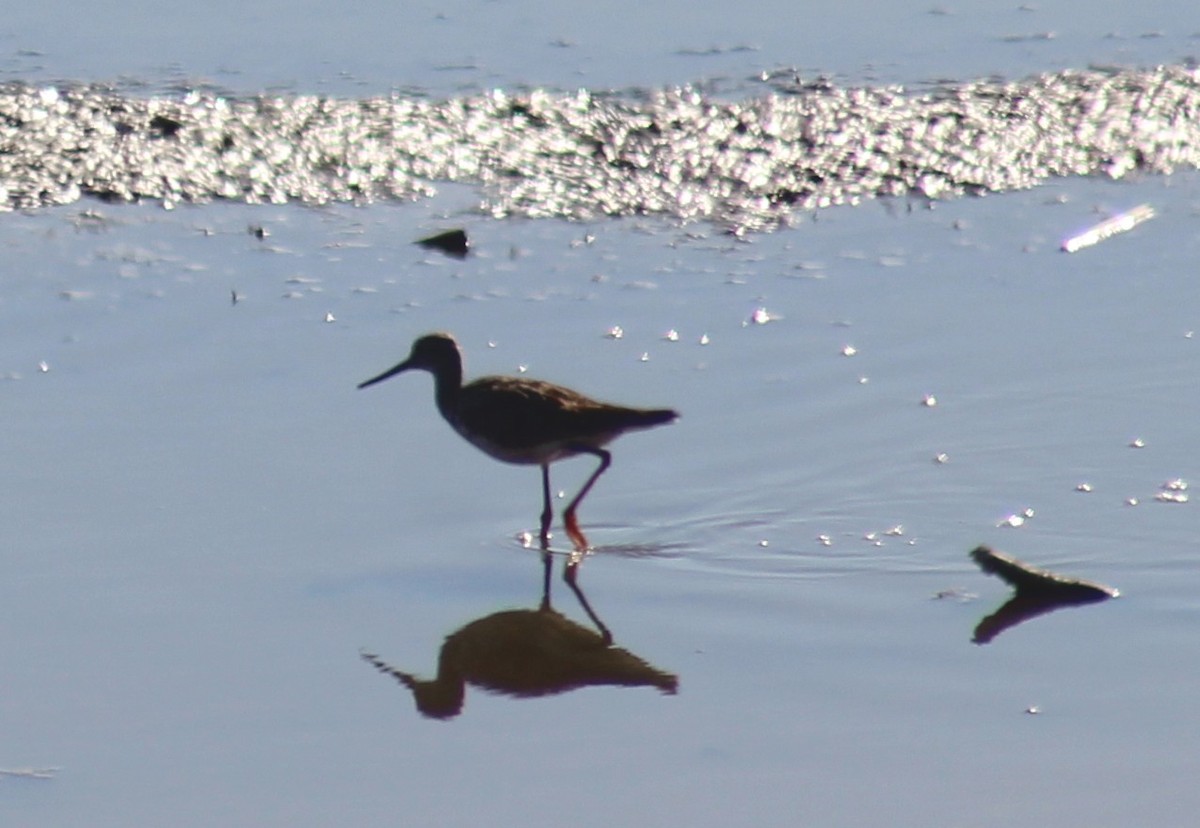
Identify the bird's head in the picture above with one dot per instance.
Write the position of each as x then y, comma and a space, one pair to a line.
435, 353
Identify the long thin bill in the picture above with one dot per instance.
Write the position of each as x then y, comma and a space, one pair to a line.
391, 372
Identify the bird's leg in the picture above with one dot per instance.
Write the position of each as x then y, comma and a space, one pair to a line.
569, 573
572, 525
547, 568
547, 512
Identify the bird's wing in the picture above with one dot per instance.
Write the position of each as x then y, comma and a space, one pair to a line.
516, 413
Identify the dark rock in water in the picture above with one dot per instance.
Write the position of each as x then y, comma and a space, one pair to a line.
107, 196
1037, 592
452, 243
164, 126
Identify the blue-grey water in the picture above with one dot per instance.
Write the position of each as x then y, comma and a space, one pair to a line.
206, 525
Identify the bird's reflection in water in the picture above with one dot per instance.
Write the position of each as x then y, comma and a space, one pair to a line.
527, 653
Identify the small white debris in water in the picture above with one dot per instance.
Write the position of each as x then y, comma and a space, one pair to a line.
929, 401
615, 332
1171, 497
824, 540
1027, 513
764, 543
329, 317
1176, 485
671, 335
1131, 501
525, 539
941, 457
521, 369
896, 531
645, 356
703, 339
43, 366
863, 380
1012, 522
1189, 334
849, 350
871, 536
1083, 487
491, 344
234, 297
761, 316
1137, 442
1033, 710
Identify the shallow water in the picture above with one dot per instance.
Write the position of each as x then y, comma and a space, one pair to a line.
209, 521
207, 524
464, 45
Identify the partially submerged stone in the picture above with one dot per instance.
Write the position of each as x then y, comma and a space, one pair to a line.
453, 243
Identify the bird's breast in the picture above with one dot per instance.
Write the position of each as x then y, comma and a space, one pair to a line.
528, 453
525, 454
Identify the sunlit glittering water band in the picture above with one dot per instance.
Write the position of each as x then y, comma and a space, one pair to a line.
676, 153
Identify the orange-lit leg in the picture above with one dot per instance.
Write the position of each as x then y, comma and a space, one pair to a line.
572, 524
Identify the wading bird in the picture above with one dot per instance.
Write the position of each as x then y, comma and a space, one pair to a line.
525, 421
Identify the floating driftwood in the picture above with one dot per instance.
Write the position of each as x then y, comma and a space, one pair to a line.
1038, 592
1031, 580
1120, 223
453, 243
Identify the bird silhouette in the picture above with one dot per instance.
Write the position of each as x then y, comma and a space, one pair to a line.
525, 421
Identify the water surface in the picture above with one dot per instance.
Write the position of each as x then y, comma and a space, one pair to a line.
207, 524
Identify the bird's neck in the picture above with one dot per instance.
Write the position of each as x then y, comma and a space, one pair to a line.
447, 382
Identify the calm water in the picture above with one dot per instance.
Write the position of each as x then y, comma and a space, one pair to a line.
206, 523
449, 47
